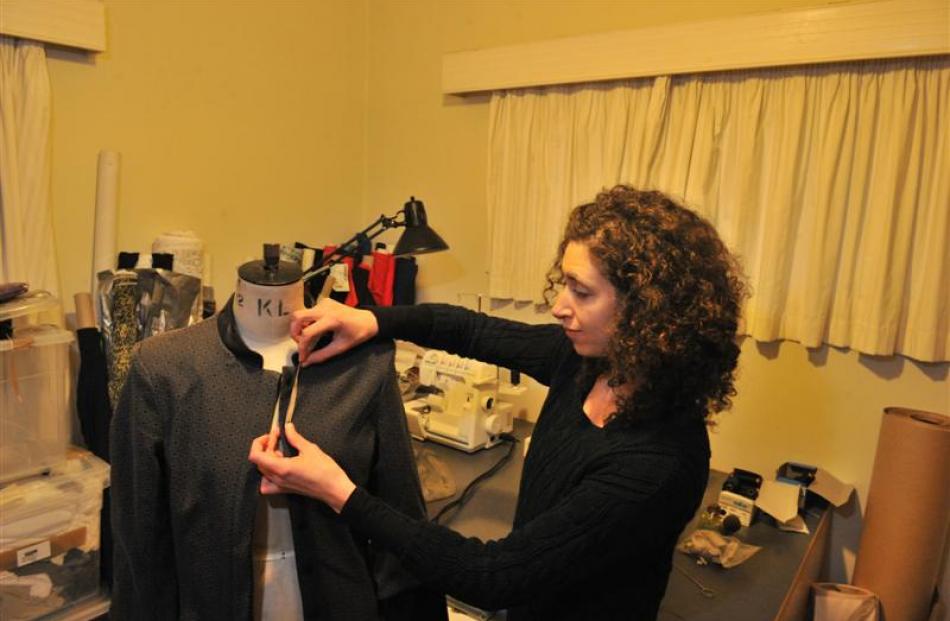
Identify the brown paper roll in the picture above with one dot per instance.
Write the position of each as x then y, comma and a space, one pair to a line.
85, 316
908, 512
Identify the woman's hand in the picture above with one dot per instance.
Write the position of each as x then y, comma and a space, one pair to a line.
312, 472
349, 327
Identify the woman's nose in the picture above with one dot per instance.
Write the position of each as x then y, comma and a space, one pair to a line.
560, 310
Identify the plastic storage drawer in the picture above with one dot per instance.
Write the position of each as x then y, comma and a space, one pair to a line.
49, 538
34, 394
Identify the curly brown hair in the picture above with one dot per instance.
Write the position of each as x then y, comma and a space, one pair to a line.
679, 293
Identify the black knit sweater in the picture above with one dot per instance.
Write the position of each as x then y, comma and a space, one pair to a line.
599, 509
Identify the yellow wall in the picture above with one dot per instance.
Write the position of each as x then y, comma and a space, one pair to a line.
252, 122
242, 121
822, 407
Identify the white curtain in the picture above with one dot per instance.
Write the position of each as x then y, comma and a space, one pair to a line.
26, 231
832, 184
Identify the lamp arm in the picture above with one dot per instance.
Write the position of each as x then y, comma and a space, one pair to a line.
383, 222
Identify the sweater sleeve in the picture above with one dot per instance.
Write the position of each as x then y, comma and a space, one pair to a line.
606, 517
145, 583
535, 350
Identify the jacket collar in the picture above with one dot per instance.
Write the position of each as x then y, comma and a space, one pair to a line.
228, 331
231, 337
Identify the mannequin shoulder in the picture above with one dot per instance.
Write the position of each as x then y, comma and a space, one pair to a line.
375, 352
367, 364
178, 347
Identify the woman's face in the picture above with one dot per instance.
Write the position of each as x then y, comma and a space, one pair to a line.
586, 306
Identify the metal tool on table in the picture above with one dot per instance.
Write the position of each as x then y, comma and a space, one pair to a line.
705, 590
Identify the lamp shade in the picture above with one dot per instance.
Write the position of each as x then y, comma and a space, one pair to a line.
418, 238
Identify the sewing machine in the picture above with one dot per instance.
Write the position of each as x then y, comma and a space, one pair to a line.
460, 406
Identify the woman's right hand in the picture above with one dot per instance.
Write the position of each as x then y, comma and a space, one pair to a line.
349, 327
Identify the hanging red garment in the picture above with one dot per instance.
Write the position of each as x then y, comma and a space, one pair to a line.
381, 277
357, 283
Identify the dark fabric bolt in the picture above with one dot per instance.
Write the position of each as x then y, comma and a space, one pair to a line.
95, 415
92, 392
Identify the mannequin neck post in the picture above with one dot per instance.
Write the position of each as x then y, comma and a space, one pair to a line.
262, 312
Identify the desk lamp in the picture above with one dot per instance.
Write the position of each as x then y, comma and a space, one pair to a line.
418, 238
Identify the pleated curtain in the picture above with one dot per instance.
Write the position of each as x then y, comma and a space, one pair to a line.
26, 230
831, 183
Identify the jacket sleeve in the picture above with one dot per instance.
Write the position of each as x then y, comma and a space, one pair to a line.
535, 350
588, 530
395, 480
145, 584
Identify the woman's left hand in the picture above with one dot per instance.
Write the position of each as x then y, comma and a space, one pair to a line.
311, 473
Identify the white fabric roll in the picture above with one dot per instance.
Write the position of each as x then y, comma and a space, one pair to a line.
187, 248
104, 234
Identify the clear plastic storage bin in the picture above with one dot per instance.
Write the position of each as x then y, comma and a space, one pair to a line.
34, 400
49, 538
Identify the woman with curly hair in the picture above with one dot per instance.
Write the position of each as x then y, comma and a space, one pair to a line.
647, 297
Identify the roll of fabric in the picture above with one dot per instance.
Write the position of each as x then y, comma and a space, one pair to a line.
842, 602
908, 513
187, 248
104, 231
125, 331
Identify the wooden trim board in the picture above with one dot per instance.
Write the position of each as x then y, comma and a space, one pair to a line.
72, 23
836, 33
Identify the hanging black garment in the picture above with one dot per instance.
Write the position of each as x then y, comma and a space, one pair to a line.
364, 297
404, 284
92, 392
95, 414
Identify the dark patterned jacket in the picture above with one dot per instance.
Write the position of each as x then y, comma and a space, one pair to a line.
184, 493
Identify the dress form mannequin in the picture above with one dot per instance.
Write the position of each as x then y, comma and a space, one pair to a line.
267, 292
194, 539
262, 315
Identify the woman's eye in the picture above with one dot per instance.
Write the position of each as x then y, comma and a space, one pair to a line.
580, 293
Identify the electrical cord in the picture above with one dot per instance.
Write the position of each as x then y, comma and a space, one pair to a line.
705, 590
470, 489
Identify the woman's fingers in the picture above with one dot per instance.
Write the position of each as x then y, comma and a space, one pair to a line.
337, 346
269, 488
296, 440
311, 333
272, 438
304, 318
258, 445
262, 456
348, 326
300, 320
